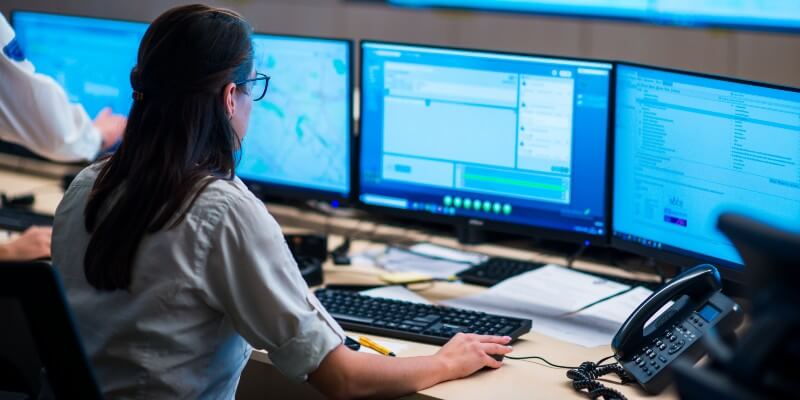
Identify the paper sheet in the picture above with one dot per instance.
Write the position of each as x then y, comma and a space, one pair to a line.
397, 260
396, 292
550, 294
448, 253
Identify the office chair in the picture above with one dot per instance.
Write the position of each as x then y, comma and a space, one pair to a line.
41, 355
763, 364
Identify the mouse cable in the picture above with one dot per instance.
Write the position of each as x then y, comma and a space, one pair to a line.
522, 358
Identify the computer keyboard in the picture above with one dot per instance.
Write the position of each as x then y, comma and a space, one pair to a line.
411, 321
13, 219
497, 269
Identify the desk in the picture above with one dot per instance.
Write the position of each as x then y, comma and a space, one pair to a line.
515, 380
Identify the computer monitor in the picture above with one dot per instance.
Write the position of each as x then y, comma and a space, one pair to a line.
299, 139
504, 141
689, 147
91, 58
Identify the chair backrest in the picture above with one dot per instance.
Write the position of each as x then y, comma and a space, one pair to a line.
41, 354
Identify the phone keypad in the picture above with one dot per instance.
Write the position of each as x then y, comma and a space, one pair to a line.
664, 348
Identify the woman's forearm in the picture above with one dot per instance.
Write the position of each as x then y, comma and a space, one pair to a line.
350, 374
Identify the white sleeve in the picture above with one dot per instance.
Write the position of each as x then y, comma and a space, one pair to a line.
254, 279
35, 111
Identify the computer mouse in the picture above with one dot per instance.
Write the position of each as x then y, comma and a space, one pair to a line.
498, 357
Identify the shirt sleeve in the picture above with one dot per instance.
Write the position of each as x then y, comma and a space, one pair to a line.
35, 111
254, 279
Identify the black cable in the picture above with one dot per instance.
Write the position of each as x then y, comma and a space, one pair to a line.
541, 359
585, 378
556, 365
571, 259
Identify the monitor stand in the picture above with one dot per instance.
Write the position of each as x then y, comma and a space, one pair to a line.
470, 234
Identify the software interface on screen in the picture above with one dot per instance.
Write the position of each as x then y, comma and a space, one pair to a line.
509, 138
689, 148
782, 14
299, 134
91, 58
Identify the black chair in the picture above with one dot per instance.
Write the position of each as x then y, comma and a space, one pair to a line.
41, 355
763, 364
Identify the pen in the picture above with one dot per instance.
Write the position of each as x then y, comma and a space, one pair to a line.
374, 346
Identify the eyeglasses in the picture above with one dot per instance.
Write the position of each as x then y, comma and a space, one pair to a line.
257, 87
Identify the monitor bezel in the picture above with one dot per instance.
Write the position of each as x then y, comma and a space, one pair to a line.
267, 191
478, 223
730, 271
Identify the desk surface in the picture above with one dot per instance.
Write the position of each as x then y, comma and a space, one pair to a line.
516, 379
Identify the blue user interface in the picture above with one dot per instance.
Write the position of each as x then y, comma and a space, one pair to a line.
91, 58
491, 136
299, 133
688, 148
781, 14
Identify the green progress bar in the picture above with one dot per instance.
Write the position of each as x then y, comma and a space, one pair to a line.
511, 181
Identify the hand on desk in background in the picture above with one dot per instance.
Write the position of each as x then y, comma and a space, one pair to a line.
33, 244
111, 127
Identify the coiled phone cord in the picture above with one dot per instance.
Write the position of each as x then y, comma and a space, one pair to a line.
585, 377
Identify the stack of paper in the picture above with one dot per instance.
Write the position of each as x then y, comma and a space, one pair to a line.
554, 298
426, 260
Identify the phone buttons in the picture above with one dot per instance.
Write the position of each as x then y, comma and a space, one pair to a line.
675, 347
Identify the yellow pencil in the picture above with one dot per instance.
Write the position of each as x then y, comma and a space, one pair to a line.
366, 342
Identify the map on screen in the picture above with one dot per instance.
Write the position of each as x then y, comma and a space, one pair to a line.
299, 134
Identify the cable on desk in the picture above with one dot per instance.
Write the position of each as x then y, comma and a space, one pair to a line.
523, 358
584, 377
571, 259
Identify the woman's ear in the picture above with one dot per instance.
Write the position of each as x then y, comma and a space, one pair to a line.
227, 98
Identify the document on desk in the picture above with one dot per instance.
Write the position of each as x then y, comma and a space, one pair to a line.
401, 260
550, 297
396, 292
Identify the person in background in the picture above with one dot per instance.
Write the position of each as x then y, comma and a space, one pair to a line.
33, 244
188, 267
36, 113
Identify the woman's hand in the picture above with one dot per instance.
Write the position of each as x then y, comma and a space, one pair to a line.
465, 354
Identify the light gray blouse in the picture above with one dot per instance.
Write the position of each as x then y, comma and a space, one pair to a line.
202, 294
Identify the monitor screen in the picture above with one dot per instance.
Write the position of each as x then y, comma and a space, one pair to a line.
511, 139
760, 14
689, 147
91, 58
298, 141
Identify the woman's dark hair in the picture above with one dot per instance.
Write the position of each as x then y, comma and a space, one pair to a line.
178, 134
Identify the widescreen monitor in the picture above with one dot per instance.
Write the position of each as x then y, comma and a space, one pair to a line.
505, 141
689, 147
298, 142
91, 58
755, 14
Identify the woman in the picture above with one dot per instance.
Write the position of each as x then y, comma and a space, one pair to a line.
174, 269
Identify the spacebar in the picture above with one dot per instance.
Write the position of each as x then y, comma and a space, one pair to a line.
352, 318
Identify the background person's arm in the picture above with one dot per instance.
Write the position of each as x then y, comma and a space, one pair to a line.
33, 244
36, 113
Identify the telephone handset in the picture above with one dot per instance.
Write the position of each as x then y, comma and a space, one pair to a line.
645, 350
